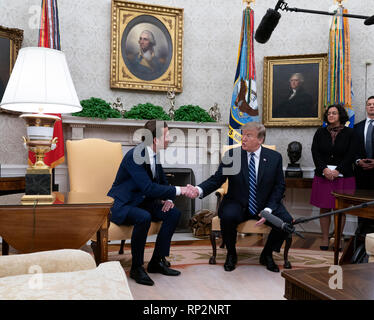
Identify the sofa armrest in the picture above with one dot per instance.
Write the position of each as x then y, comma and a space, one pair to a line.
66, 260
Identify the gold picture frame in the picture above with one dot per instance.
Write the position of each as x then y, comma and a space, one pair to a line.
158, 69
10, 43
294, 90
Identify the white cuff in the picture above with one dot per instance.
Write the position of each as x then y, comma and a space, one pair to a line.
200, 192
178, 191
268, 210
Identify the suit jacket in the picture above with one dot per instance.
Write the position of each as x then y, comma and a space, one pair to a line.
341, 154
300, 106
364, 178
359, 130
134, 184
270, 180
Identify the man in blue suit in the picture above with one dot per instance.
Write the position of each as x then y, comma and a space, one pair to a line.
364, 162
257, 184
142, 194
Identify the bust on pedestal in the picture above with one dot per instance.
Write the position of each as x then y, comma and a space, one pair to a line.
294, 154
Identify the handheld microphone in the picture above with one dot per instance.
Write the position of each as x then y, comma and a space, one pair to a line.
279, 223
268, 24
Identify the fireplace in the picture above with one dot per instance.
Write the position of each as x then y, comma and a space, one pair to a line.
182, 177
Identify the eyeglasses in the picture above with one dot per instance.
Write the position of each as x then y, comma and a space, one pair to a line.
333, 113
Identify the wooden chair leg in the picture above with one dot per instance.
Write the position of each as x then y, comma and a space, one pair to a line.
95, 251
122, 246
213, 235
287, 264
4, 248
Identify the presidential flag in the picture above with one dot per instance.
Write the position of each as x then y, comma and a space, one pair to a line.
244, 107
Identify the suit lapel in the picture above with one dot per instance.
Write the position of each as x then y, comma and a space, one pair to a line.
261, 165
148, 165
245, 169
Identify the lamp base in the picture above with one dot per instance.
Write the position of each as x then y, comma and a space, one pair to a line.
38, 186
39, 199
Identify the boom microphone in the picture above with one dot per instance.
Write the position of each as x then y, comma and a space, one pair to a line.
369, 21
268, 24
279, 223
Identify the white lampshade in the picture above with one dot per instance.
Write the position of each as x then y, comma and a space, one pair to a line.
41, 82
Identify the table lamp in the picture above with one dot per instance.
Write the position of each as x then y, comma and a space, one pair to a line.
40, 83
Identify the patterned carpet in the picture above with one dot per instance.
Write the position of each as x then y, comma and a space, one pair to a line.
182, 255
201, 281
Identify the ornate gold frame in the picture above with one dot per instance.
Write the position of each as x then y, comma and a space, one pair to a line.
123, 13
15, 37
269, 63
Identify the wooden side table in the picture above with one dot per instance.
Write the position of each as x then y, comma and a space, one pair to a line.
9, 185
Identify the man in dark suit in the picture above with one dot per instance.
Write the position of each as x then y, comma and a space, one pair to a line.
142, 194
298, 103
364, 162
256, 183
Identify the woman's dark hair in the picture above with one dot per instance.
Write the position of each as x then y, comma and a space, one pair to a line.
343, 115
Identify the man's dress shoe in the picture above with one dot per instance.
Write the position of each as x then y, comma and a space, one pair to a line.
269, 263
167, 263
140, 276
161, 267
230, 262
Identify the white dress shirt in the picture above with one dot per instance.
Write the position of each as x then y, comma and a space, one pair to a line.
366, 127
152, 163
257, 162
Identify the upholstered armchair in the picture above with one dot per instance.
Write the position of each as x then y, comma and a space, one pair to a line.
246, 227
369, 246
92, 167
66, 274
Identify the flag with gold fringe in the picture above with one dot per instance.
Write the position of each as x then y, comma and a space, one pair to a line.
244, 107
49, 37
339, 81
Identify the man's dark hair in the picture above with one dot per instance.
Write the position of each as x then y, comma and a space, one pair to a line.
152, 126
371, 97
343, 115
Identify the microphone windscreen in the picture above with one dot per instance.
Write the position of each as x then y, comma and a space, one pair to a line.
369, 21
267, 25
277, 222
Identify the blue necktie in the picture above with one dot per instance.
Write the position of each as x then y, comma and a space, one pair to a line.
369, 141
252, 202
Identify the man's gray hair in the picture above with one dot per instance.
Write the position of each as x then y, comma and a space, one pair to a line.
150, 37
299, 76
261, 131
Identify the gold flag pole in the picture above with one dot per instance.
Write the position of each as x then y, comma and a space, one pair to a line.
248, 2
339, 2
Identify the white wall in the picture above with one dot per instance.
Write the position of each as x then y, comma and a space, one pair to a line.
211, 36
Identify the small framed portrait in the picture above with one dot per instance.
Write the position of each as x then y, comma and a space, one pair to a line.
146, 47
10, 43
294, 90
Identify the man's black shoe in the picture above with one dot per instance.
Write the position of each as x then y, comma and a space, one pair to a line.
161, 267
140, 276
230, 262
167, 263
268, 261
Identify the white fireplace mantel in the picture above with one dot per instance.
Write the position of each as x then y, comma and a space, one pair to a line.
195, 145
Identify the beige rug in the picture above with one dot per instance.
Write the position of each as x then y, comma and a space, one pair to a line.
201, 281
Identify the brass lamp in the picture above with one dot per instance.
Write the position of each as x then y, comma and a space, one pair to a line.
41, 83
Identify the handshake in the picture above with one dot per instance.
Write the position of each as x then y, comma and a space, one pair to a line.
190, 191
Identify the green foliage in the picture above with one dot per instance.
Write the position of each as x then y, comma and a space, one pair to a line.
146, 111
192, 113
97, 108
